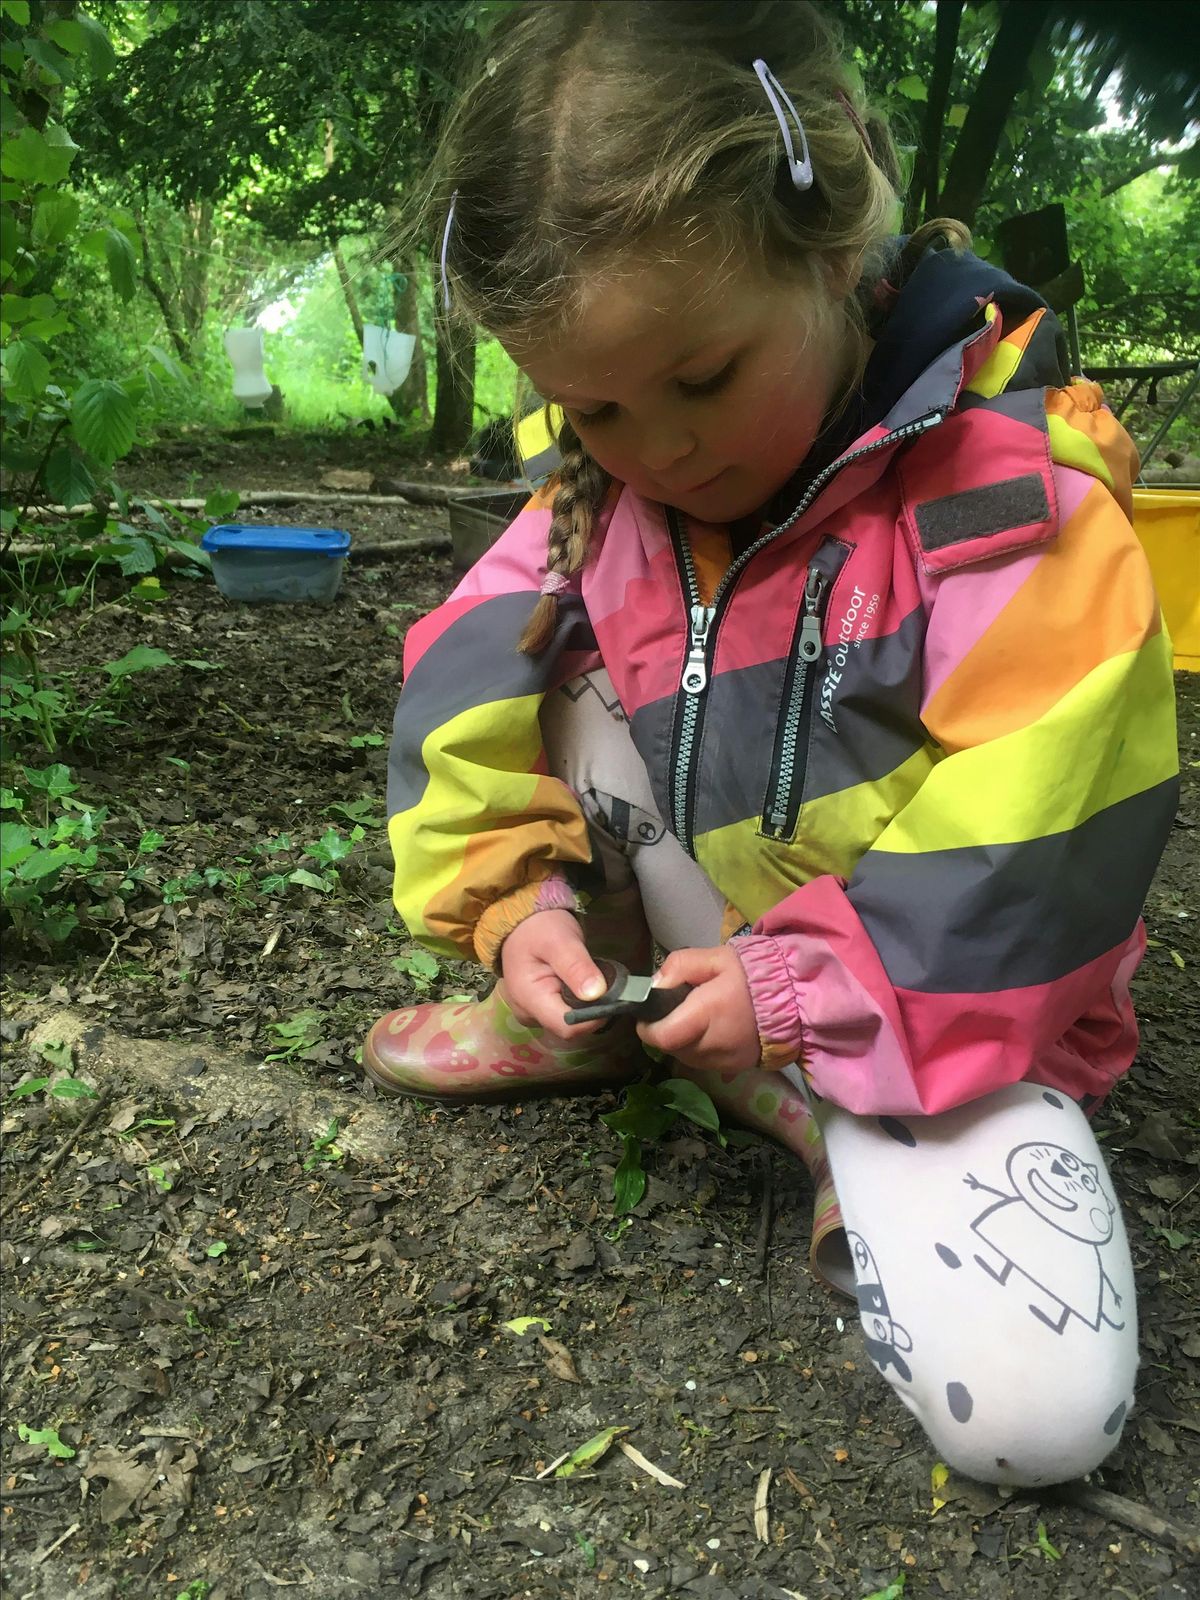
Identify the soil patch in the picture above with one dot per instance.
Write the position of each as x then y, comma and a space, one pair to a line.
276, 1349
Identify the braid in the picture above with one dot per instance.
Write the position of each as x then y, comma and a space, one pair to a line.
582, 486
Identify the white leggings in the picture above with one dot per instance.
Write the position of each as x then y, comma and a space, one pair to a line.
991, 1267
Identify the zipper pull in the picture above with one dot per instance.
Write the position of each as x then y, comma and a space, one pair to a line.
815, 588
695, 670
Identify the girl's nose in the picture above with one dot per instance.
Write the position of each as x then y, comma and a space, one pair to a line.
664, 447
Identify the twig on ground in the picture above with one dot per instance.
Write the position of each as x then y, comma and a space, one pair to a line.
1116, 1508
411, 494
117, 941
51, 1548
768, 1214
48, 1166
33, 1491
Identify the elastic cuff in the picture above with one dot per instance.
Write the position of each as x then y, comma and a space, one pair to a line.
774, 998
502, 916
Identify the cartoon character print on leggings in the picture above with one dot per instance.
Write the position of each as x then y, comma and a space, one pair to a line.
887, 1342
1052, 1227
632, 827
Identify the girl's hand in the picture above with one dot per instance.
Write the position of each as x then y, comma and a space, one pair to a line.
539, 956
715, 1028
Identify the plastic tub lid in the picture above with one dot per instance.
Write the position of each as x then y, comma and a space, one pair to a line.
246, 536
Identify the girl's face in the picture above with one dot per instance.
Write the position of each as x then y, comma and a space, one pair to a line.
698, 383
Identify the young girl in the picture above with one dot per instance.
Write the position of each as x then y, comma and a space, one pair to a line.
829, 659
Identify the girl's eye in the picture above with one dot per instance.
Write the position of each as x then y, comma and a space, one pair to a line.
601, 414
711, 385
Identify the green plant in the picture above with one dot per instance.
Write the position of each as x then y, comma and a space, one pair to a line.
196, 1590
294, 1034
51, 706
420, 968
646, 1112
61, 1088
326, 852
323, 1148
45, 1436
56, 859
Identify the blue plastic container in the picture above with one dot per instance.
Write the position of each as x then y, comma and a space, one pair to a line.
277, 563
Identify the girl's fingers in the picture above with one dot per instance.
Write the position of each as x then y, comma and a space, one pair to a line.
693, 966
684, 1027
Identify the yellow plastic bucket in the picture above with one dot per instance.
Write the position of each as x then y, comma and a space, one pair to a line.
1167, 521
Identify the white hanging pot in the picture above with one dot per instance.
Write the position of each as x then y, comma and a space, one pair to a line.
244, 347
387, 357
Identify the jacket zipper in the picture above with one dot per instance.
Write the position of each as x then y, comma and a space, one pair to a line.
790, 758
689, 716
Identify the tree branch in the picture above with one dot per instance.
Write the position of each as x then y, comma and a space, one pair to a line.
949, 16
347, 284
1148, 165
1021, 26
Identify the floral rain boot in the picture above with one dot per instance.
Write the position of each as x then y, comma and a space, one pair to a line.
770, 1104
475, 1050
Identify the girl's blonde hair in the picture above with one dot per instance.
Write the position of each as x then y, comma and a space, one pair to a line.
589, 127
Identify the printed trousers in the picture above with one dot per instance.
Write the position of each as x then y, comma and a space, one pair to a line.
984, 1245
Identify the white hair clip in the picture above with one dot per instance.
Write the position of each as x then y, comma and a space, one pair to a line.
800, 169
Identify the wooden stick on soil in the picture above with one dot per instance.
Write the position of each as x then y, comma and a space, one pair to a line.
768, 1216
1129, 1514
414, 494
45, 1168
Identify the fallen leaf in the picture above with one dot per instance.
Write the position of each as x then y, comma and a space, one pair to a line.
657, 1473
762, 1518
559, 1359
125, 1481
938, 1479
1157, 1438
521, 1325
590, 1452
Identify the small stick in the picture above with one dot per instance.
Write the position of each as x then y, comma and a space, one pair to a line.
1116, 1508
32, 1491
768, 1214
47, 1167
51, 1548
117, 941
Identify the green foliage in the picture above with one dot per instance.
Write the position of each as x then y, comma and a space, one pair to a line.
45, 1436
646, 1112
60, 709
294, 1034
60, 862
323, 1149
420, 968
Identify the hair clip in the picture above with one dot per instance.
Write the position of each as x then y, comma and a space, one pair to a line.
445, 248
801, 171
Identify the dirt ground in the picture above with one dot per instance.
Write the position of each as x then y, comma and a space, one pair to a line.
271, 1365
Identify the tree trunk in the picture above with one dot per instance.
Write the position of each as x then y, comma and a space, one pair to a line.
347, 283
193, 270
923, 196
979, 138
413, 394
150, 279
454, 405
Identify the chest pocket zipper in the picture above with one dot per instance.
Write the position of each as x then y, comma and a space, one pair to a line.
789, 760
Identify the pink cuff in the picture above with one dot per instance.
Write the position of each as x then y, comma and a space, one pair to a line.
502, 916
774, 997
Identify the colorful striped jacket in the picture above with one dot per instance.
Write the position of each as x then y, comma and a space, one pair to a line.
921, 736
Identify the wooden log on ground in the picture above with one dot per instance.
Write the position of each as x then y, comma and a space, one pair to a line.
416, 494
